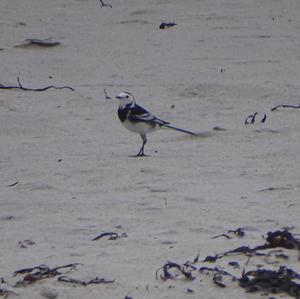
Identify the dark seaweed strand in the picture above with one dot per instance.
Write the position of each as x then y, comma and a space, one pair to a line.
104, 4
20, 86
285, 106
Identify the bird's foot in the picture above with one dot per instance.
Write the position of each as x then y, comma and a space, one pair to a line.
140, 154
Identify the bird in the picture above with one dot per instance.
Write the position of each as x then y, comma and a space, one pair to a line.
137, 119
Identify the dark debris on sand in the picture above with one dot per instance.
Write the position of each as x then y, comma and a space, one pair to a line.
281, 280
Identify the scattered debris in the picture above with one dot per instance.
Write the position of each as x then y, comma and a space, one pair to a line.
34, 274
104, 4
25, 243
106, 96
196, 259
212, 259
34, 42
218, 280
166, 25
13, 184
282, 280
5, 218
40, 272
275, 239
185, 270
33, 89
217, 128
285, 106
84, 283
251, 119
239, 232
234, 264
264, 118
216, 271
271, 281
111, 235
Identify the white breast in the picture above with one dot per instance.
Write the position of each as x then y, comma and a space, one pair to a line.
139, 127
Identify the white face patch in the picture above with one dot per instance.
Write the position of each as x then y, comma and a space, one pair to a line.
125, 99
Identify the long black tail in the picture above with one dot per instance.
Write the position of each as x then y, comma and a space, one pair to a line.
180, 130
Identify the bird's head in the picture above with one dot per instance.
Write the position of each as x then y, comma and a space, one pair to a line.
126, 99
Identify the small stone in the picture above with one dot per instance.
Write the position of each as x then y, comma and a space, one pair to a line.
49, 293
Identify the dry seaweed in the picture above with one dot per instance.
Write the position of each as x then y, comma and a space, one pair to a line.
282, 239
285, 106
83, 283
104, 4
239, 232
251, 119
13, 184
185, 269
218, 280
196, 259
31, 275
25, 243
110, 235
274, 239
212, 259
274, 282
167, 25
234, 264
40, 272
282, 280
20, 86
216, 270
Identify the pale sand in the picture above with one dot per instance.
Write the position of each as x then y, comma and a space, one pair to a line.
223, 61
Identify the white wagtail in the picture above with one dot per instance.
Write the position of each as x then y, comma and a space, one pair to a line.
138, 120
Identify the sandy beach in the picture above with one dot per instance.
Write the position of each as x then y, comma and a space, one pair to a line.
65, 171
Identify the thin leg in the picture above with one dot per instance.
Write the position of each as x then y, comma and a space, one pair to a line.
141, 152
144, 143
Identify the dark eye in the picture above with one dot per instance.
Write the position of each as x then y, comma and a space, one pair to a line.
127, 97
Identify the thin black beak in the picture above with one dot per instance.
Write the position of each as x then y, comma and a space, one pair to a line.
117, 97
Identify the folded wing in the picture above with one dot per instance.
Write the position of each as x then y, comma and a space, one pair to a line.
138, 113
